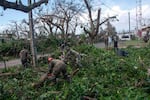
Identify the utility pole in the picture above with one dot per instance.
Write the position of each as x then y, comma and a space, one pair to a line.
129, 21
32, 40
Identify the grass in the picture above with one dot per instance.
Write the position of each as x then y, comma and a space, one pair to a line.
132, 43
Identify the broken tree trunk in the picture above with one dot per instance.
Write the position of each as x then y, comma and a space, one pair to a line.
41, 81
45, 77
4, 59
87, 98
8, 74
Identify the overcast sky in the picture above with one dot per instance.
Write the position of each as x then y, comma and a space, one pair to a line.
121, 8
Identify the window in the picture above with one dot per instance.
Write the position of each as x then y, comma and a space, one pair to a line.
125, 36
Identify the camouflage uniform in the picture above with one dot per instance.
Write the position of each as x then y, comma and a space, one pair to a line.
24, 57
56, 67
74, 57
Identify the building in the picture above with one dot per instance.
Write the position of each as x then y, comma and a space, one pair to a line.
145, 30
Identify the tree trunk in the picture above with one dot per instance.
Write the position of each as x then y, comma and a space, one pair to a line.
32, 41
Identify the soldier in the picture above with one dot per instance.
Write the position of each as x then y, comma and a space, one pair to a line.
106, 41
24, 56
73, 57
57, 67
115, 39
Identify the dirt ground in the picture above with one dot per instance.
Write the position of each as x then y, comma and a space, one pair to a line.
15, 62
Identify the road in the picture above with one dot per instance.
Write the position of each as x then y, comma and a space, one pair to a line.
10, 63
16, 62
100, 45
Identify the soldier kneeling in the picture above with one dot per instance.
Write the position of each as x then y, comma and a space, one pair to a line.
56, 68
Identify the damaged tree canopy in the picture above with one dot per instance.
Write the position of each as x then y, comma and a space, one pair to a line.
19, 6
94, 29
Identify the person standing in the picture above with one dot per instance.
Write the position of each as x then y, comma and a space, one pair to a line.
106, 41
115, 39
24, 56
109, 41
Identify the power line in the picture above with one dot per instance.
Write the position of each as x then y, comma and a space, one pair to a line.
106, 5
103, 3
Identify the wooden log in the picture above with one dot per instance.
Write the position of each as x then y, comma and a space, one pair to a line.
44, 77
87, 98
8, 74
40, 70
41, 81
74, 72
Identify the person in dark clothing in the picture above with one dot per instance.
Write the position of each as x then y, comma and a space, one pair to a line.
106, 41
146, 37
115, 39
122, 53
24, 56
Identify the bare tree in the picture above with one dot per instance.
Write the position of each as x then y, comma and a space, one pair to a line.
22, 28
94, 28
47, 24
110, 29
19, 6
15, 30
63, 16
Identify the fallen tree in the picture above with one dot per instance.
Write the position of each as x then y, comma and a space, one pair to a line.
8, 74
45, 77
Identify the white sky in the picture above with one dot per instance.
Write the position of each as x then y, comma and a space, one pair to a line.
121, 8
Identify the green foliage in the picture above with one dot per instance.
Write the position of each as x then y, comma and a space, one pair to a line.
12, 48
49, 44
114, 77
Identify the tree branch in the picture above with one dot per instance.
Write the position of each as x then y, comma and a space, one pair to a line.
26, 9
46, 20
90, 14
113, 17
98, 19
86, 31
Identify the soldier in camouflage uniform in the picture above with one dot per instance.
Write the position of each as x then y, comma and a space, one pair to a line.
24, 56
57, 67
